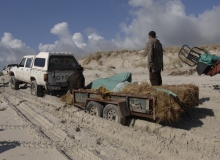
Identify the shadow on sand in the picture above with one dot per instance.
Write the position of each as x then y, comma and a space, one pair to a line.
4, 84
5, 146
25, 86
185, 123
56, 93
196, 114
202, 100
216, 87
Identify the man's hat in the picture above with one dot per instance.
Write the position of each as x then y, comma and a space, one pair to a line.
152, 34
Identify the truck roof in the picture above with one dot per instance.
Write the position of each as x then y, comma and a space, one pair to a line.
29, 56
47, 54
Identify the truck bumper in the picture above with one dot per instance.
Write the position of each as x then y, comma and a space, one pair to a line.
55, 88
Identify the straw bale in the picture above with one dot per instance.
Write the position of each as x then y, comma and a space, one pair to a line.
167, 110
67, 98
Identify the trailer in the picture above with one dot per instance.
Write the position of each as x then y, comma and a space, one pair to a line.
115, 106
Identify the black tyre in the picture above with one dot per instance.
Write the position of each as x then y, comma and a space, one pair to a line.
36, 90
14, 83
94, 108
112, 113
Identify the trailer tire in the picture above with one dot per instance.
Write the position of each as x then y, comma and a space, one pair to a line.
94, 108
112, 113
14, 83
36, 90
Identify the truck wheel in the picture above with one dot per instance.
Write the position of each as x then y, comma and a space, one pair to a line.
94, 108
112, 113
36, 90
14, 83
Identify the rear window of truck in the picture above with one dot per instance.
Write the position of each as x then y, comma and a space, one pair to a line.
62, 63
39, 62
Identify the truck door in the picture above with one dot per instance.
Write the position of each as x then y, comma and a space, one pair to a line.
20, 69
27, 70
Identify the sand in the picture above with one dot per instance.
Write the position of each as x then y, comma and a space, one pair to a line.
46, 128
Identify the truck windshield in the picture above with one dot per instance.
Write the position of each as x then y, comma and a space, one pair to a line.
62, 63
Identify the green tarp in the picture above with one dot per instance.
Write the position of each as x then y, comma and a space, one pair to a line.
111, 82
208, 59
166, 91
120, 86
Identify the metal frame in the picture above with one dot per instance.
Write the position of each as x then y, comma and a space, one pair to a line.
190, 55
122, 104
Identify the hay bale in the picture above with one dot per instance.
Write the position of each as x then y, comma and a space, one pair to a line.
167, 110
67, 98
187, 93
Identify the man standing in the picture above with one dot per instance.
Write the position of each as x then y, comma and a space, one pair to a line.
77, 80
154, 52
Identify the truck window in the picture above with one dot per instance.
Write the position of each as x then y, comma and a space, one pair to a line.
62, 63
22, 62
28, 63
39, 62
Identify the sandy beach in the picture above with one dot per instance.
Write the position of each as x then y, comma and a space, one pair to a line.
46, 128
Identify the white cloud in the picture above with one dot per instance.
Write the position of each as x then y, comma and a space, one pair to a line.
75, 42
66, 42
98, 43
78, 40
172, 25
47, 47
8, 41
89, 31
140, 3
175, 8
60, 29
94, 36
12, 50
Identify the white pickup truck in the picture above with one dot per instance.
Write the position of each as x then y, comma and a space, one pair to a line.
7, 68
47, 70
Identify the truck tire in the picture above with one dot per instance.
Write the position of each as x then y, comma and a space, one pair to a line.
36, 90
94, 108
14, 83
112, 113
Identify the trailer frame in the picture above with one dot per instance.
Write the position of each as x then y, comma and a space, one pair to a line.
126, 104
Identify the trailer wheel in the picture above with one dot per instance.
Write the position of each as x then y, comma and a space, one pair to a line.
14, 83
36, 90
112, 113
94, 108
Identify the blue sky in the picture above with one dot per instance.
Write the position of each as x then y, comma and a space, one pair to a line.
32, 20
85, 26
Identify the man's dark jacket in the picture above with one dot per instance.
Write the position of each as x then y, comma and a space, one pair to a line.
154, 52
76, 81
